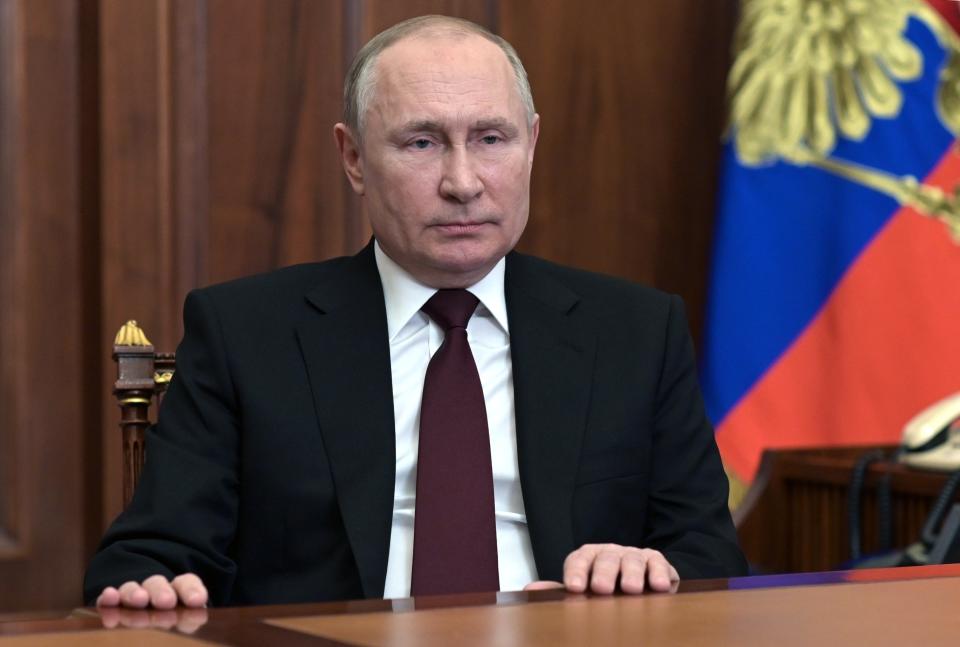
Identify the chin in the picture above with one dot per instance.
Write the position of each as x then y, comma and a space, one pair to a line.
463, 271
470, 258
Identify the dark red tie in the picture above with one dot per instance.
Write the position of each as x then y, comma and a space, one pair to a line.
454, 534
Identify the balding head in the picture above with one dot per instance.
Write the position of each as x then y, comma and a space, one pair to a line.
360, 83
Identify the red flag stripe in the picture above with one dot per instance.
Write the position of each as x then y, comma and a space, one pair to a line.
950, 10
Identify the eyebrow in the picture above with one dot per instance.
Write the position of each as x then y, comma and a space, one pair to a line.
496, 123
428, 125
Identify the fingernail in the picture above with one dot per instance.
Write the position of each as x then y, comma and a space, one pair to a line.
576, 582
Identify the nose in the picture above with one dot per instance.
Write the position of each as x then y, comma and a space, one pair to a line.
460, 181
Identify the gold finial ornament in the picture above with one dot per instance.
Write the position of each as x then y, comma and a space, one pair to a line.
809, 71
130, 334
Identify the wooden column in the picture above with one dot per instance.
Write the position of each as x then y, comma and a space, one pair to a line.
42, 377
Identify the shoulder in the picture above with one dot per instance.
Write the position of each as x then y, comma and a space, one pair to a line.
597, 293
279, 283
271, 297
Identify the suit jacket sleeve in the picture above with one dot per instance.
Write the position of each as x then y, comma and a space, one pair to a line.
183, 514
688, 518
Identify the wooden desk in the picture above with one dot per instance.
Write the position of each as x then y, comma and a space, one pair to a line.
910, 606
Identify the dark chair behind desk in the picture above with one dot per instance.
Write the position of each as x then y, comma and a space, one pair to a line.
142, 379
794, 518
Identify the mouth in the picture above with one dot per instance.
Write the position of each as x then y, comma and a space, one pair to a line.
461, 228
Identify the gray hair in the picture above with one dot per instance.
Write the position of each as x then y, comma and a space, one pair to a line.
359, 85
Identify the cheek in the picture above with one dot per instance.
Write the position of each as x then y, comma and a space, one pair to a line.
510, 182
407, 186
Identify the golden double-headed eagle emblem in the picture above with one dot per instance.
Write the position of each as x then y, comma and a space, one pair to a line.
809, 71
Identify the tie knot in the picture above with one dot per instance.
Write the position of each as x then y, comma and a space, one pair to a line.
451, 308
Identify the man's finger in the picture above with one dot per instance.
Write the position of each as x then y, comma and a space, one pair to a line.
162, 595
576, 568
109, 597
133, 595
190, 590
660, 574
633, 572
606, 570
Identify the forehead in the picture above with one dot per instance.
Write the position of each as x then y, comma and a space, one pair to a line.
436, 75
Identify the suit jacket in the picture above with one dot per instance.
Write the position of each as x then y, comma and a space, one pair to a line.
270, 472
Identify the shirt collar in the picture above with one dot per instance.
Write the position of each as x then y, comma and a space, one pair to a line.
403, 295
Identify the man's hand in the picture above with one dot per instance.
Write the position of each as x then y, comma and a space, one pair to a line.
599, 567
157, 592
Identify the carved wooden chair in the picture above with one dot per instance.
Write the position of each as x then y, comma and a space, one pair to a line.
142, 378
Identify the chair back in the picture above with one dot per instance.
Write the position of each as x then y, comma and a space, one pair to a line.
142, 378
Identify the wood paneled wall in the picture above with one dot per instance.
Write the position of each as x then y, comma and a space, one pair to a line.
151, 146
42, 306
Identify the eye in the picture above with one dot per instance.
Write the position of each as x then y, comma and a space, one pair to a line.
490, 139
421, 144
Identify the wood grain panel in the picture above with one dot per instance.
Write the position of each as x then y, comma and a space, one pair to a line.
217, 157
154, 189
377, 15
10, 523
184, 40
135, 221
630, 96
136, 127
275, 73
11, 261
88, 69
41, 373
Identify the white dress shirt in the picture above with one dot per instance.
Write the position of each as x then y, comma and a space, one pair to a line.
414, 338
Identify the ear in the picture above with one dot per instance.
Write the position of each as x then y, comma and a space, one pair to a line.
350, 157
534, 136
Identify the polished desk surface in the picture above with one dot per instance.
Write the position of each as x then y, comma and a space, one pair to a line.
906, 606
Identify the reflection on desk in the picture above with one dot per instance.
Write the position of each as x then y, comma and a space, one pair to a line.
907, 606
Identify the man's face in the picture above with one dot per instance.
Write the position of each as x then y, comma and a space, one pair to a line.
446, 157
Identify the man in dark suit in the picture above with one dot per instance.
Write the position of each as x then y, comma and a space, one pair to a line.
298, 432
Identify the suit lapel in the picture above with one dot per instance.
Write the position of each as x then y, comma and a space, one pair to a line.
347, 354
553, 362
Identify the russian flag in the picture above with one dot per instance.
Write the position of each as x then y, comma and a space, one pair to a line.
834, 308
